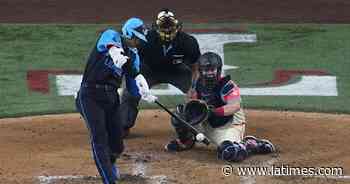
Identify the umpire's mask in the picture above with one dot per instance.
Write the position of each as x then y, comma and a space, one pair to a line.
167, 25
210, 65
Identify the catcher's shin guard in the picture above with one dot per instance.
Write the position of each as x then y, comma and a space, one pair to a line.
258, 146
232, 151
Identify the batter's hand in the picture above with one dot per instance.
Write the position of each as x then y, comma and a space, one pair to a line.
142, 84
149, 98
144, 90
117, 56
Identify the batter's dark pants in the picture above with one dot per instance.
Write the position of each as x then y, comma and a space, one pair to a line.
99, 108
179, 76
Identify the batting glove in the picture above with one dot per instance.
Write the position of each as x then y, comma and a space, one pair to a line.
117, 56
149, 98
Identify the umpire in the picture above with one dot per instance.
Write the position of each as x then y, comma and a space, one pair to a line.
114, 56
170, 56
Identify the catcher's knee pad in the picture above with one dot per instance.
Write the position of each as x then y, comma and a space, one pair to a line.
232, 151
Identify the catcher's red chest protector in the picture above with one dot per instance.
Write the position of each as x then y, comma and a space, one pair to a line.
216, 98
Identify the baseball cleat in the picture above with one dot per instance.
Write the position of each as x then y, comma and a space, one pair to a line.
259, 146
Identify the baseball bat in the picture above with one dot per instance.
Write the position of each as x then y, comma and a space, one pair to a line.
189, 126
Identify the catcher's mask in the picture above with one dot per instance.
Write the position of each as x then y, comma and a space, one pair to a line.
210, 65
167, 25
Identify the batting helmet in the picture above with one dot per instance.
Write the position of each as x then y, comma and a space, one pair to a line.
210, 67
134, 27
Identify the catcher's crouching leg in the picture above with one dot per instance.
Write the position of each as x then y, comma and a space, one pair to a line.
232, 151
185, 139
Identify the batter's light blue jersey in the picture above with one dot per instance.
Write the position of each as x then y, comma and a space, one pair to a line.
101, 68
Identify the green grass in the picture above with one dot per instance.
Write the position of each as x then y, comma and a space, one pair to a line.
26, 47
316, 47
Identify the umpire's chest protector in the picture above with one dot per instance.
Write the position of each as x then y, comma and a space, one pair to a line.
160, 56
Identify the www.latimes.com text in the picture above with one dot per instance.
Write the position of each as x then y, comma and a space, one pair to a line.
283, 170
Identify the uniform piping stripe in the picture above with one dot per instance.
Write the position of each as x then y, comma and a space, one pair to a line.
92, 142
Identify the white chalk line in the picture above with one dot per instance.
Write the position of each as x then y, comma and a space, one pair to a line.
139, 170
49, 179
157, 179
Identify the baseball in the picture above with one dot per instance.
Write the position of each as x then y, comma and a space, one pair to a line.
200, 137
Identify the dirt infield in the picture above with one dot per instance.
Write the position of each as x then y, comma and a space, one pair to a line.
57, 145
55, 149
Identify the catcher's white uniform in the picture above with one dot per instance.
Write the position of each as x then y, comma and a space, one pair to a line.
220, 126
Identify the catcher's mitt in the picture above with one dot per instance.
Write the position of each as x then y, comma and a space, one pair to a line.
195, 111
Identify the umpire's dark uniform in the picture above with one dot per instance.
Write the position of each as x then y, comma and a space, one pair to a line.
170, 63
98, 103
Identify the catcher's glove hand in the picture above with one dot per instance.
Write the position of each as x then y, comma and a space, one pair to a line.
196, 111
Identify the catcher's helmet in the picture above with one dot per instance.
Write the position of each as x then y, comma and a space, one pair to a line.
210, 66
167, 25
134, 27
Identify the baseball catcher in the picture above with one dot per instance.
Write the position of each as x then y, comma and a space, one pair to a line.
217, 113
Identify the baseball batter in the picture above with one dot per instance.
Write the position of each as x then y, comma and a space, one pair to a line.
225, 125
113, 56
